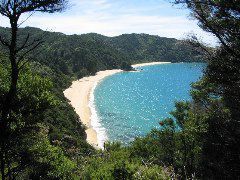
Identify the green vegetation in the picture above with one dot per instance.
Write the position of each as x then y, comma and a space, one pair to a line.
126, 66
117, 162
35, 142
28, 149
41, 136
81, 55
216, 97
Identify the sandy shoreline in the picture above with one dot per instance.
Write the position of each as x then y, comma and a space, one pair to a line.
149, 64
79, 96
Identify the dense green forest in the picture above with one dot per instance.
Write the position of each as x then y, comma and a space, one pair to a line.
41, 137
80, 55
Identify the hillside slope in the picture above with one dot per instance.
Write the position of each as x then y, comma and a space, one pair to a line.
80, 55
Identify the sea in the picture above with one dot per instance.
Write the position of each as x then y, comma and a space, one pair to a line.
127, 105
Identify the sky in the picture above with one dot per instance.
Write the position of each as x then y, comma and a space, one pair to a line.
116, 17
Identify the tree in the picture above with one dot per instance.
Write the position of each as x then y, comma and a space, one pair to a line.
126, 66
221, 148
92, 67
43, 159
13, 9
32, 97
221, 18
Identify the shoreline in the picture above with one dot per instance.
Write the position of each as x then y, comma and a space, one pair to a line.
79, 94
81, 97
148, 64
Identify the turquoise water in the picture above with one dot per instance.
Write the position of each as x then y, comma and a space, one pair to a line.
130, 104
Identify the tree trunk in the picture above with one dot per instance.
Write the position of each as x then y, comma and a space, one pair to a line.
10, 96
2, 165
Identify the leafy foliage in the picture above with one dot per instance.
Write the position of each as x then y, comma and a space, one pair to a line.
34, 149
117, 162
45, 160
178, 144
218, 93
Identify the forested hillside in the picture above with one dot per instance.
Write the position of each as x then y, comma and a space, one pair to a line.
147, 48
80, 55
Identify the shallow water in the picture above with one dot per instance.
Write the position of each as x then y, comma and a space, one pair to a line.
130, 104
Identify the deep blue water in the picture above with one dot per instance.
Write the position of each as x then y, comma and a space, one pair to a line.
130, 104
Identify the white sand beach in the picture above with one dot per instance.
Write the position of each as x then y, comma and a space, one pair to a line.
149, 64
79, 96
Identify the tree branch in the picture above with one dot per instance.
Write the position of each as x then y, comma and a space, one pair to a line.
4, 42
24, 44
26, 19
28, 51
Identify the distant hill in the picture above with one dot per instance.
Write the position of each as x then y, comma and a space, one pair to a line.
80, 55
144, 48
